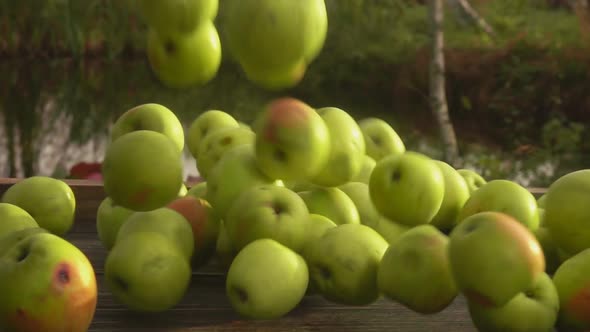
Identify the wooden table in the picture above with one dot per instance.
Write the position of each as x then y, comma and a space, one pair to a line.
206, 308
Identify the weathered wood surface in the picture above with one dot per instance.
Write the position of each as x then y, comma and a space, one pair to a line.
206, 307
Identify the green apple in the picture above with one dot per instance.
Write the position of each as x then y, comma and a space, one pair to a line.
199, 190
292, 140
358, 192
150, 116
204, 224
177, 16
51, 202
541, 201
109, 218
343, 263
347, 148
415, 271
572, 281
267, 211
184, 60
567, 212
407, 188
455, 196
364, 175
494, 257
535, 309
8, 240
276, 79
381, 139
233, 174
142, 170
168, 222
317, 225
266, 280
214, 146
224, 249
332, 203
14, 218
147, 273
390, 230
47, 284
503, 196
205, 124
473, 179
550, 249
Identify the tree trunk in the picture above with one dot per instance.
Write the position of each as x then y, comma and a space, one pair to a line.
465, 8
438, 100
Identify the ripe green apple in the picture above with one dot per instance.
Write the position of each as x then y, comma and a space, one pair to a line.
205, 124
415, 271
204, 224
567, 212
317, 225
347, 148
147, 272
343, 263
142, 170
199, 190
572, 281
51, 202
276, 79
390, 230
455, 196
150, 116
47, 284
407, 188
473, 179
168, 222
266, 280
8, 240
503, 196
332, 203
494, 257
184, 60
235, 172
541, 201
364, 175
381, 139
358, 192
109, 218
267, 211
550, 249
177, 16
14, 218
535, 309
292, 140
224, 249
214, 146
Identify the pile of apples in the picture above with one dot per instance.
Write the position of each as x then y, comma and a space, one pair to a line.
311, 201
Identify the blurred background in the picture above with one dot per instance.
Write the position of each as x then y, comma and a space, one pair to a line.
519, 97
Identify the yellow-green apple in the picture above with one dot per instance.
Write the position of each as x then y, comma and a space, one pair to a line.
550, 249
455, 196
567, 212
292, 140
473, 179
390, 230
267, 211
572, 281
358, 192
503, 196
235, 172
184, 60
494, 257
177, 16
47, 284
14, 218
146, 272
204, 124
343, 263
534, 309
332, 203
541, 201
252, 286
168, 222
347, 148
7, 240
204, 224
51, 202
381, 139
199, 190
224, 249
150, 116
407, 188
317, 225
142, 170
275, 49
415, 271
214, 146
109, 218
364, 175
